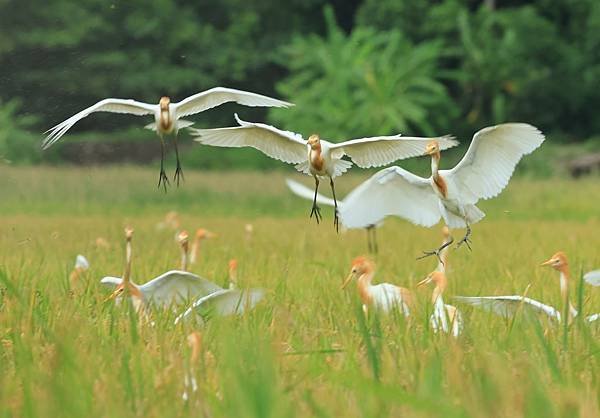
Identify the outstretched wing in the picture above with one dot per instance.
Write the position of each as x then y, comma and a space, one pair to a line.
391, 191
491, 159
176, 287
383, 150
219, 95
304, 192
129, 106
285, 146
592, 277
110, 281
224, 302
507, 306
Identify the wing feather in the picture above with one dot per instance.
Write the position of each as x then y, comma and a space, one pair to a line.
507, 306
128, 106
391, 191
219, 95
592, 277
177, 286
491, 159
281, 145
224, 302
383, 150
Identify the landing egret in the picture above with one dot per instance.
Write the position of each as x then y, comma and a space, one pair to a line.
172, 287
483, 173
508, 306
348, 219
167, 116
444, 317
384, 296
317, 157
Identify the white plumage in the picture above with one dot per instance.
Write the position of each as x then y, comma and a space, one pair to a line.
592, 277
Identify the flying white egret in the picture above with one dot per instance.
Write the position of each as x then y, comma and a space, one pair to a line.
384, 296
317, 157
483, 173
81, 266
201, 235
355, 223
444, 317
508, 306
172, 287
167, 116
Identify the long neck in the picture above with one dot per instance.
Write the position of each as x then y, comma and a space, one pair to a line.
128, 258
195, 250
165, 118
364, 287
184, 257
436, 296
564, 289
435, 163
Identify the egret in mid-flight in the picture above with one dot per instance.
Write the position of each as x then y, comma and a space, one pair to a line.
483, 173
167, 116
317, 157
508, 306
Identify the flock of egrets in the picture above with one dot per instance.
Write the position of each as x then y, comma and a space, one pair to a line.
451, 195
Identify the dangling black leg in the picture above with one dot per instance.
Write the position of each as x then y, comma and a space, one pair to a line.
178, 170
162, 178
316, 210
437, 251
465, 239
336, 220
369, 246
375, 248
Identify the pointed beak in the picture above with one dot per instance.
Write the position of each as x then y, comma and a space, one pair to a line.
347, 281
425, 281
547, 263
113, 295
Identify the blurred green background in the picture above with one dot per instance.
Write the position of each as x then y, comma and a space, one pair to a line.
353, 68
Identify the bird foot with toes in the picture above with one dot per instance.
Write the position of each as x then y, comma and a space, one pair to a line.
316, 212
178, 175
162, 178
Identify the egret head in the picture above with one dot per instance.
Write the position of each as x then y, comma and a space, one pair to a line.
128, 233
314, 141
233, 264
360, 265
558, 261
432, 148
164, 103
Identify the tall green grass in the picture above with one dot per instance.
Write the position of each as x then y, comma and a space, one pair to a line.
307, 350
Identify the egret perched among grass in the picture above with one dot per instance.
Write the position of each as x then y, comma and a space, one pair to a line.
81, 266
483, 173
167, 116
317, 157
172, 287
384, 296
444, 317
508, 306
348, 218
200, 235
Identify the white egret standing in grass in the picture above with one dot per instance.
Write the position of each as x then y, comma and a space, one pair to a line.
172, 287
483, 173
201, 235
508, 306
317, 157
348, 219
444, 317
167, 116
384, 296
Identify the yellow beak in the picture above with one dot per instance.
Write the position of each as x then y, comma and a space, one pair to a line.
114, 294
347, 281
426, 280
547, 263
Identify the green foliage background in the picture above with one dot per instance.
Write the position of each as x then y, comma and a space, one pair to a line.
353, 68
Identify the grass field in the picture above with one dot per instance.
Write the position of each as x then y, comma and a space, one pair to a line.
307, 350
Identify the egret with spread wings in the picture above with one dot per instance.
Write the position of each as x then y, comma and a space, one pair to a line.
483, 173
167, 116
317, 157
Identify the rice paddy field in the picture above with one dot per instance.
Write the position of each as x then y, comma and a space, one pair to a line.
307, 350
